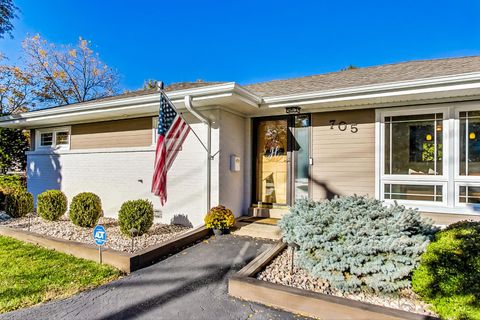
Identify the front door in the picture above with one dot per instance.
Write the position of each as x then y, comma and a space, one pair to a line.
282, 163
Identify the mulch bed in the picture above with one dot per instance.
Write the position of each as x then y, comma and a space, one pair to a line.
65, 229
279, 272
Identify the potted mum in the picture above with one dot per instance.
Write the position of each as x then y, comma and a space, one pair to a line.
220, 219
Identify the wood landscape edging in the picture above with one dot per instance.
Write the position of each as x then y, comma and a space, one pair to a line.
127, 262
245, 286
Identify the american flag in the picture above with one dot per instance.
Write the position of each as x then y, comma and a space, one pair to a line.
172, 131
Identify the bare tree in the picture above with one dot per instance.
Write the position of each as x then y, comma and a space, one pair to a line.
68, 74
8, 12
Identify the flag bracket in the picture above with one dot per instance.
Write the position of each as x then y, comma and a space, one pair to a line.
212, 157
202, 119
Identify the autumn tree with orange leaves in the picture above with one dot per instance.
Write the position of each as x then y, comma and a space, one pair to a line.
50, 75
15, 89
67, 74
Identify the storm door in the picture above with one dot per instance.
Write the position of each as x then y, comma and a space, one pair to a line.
281, 159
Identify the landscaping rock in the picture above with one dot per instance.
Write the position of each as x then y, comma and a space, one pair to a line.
65, 229
4, 216
279, 271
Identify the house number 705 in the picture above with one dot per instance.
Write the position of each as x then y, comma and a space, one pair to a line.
342, 126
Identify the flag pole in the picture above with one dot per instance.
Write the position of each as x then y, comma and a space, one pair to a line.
207, 148
162, 92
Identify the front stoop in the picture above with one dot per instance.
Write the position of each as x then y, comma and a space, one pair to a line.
265, 228
276, 213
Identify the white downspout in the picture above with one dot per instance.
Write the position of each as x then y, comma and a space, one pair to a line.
188, 105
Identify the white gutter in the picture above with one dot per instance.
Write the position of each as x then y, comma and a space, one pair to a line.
188, 106
130, 104
142, 99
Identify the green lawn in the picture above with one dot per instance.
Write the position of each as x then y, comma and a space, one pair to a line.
30, 274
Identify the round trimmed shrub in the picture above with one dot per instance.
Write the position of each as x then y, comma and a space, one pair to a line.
85, 209
51, 204
136, 214
18, 204
448, 276
357, 243
219, 217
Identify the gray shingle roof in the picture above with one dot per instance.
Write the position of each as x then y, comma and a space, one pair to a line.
170, 87
142, 92
370, 75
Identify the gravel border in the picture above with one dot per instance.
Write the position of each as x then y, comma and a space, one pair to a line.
278, 271
65, 229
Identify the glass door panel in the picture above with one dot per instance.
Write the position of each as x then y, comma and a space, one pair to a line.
271, 161
301, 156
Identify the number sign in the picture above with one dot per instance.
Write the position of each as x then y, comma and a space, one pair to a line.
343, 126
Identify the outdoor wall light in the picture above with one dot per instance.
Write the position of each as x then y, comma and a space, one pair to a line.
293, 110
428, 137
472, 136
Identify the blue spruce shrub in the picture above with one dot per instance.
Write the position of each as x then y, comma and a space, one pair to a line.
357, 243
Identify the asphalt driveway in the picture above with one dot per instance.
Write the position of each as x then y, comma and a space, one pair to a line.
189, 285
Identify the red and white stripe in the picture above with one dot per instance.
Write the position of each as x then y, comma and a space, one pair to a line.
167, 149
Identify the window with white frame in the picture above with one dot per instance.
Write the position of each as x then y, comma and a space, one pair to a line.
431, 156
414, 144
468, 166
413, 192
413, 153
53, 138
469, 142
469, 194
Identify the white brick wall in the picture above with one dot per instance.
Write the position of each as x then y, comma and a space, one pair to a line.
126, 174
232, 142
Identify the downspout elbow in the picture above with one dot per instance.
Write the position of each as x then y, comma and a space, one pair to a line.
188, 105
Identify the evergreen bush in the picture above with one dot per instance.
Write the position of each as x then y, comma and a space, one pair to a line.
18, 204
85, 209
51, 204
357, 243
448, 276
136, 214
8, 184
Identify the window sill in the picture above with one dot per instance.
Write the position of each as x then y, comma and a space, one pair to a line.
437, 207
413, 177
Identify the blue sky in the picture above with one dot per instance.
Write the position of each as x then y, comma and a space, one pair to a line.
251, 41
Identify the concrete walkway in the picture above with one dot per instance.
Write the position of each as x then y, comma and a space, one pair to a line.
265, 228
189, 285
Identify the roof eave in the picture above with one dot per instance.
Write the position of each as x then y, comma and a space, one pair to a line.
404, 89
128, 107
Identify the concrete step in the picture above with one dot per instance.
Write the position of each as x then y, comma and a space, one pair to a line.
276, 213
258, 230
269, 221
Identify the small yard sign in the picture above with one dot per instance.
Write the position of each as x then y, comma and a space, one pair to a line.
99, 235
